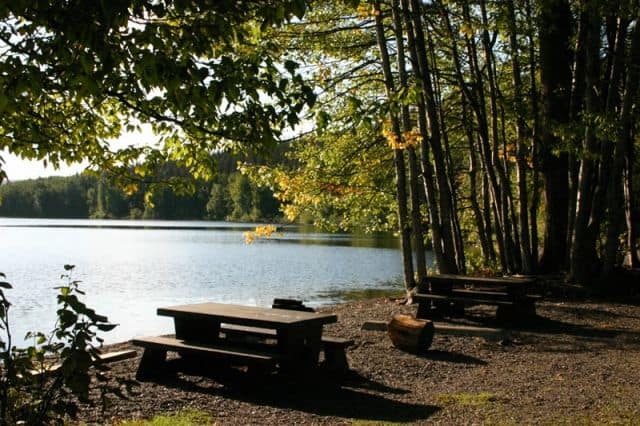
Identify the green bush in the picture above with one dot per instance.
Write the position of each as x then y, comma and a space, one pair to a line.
45, 383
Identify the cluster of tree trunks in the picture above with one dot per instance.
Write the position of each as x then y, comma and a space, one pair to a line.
546, 105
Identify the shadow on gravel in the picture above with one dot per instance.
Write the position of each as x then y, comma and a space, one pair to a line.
455, 357
606, 336
352, 397
592, 313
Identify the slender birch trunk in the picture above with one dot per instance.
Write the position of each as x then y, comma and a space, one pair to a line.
416, 216
398, 157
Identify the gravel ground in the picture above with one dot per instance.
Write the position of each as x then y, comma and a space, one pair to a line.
579, 364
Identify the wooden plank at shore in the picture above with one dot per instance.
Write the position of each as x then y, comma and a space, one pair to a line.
448, 329
101, 359
116, 356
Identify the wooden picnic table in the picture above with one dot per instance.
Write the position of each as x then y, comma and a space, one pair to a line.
448, 293
449, 282
198, 330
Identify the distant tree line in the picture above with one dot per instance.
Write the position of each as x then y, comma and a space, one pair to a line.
229, 196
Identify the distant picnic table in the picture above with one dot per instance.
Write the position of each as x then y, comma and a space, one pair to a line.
203, 331
448, 294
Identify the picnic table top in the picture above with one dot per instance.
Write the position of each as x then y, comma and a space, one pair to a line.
248, 315
502, 281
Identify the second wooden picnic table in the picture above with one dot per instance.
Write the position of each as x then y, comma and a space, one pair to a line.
447, 293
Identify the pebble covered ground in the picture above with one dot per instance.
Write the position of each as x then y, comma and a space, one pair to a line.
580, 363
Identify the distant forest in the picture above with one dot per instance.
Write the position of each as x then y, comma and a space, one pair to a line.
229, 196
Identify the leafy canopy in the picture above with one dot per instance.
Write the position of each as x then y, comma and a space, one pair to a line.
75, 75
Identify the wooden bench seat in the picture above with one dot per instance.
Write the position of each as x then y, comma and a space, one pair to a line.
510, 309
334, 347
153, 362
477, 292
464, 299
230, 329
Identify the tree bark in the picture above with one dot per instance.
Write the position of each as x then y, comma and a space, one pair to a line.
398, 158
434, 140
576, 105
630, 208
555, 79
502, 188
583, 250
523, 216
442, 260
535, 142
416, 217
615, 197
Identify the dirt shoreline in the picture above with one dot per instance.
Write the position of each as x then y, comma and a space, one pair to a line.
579, 364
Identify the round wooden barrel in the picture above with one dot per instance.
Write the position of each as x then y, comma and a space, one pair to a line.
410, 334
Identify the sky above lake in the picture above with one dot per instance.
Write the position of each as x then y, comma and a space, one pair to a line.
20, 169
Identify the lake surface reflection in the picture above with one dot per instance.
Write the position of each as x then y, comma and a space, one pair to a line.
130, 268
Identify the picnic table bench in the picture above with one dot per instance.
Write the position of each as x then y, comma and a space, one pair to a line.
153, 362
335, 357
449, 294
201, 333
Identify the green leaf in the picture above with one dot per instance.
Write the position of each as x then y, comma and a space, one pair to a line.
69, 267
106, 327
4, 284
322, 119
290, 66
67, 318
298, 8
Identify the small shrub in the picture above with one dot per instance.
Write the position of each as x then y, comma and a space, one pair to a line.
44, 383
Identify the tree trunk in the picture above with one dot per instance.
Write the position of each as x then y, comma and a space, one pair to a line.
502, 189
575, 108
630, 206
535, 112
416, 217
583, 250
484, 236
441, 255
398, 158
523, 216
615, 198
434, 141
555, 78
459, 246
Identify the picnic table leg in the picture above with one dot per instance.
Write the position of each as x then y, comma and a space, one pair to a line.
299, 348
428, 309
335, 358
424, 309
152, 364
196, 330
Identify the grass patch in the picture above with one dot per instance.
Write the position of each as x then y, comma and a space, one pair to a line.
181, 418
608, 415
467, 399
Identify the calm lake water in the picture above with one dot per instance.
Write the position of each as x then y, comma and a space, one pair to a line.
130, 268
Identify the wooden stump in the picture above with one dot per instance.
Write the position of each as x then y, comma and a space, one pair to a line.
410, 334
